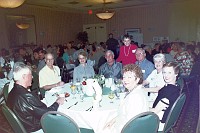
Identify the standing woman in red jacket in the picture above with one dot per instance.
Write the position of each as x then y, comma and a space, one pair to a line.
127, 51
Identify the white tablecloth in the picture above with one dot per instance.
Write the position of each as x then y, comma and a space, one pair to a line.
94, 119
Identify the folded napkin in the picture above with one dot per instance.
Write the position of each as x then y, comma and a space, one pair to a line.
92, 87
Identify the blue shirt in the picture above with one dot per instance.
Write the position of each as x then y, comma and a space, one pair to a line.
83, 71
146, 66
111, 71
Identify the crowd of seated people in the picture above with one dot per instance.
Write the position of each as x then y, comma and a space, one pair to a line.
94, 59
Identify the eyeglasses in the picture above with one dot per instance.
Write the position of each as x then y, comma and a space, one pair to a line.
139, 54
50, 60
81, 58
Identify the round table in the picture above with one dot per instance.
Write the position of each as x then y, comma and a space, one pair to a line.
83, 112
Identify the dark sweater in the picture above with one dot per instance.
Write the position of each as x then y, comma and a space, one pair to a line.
171, 92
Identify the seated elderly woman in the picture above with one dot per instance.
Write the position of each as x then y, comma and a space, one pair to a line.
83, 70
155, 80
168, 94
134, 103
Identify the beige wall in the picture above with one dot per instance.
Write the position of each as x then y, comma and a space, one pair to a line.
52, 27
179, 21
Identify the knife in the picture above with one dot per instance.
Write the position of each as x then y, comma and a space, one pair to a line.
89, 108
72, 105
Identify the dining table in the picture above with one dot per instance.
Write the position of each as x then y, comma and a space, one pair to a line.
84, 111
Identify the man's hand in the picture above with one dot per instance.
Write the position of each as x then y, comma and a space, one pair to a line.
61, 83
60, 100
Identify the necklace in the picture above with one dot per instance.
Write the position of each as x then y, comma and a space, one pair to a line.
128, 50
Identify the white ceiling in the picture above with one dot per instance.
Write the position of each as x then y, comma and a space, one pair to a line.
84, 5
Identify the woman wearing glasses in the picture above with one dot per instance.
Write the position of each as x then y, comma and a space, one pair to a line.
83, 70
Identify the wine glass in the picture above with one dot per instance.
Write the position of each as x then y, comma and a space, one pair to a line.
73, 91
111, 95
81, 95
117, 93
78, 83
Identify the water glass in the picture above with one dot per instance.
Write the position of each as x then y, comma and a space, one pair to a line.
117, 93
111, 95
81, 95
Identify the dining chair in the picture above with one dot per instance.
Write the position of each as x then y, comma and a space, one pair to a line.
57, 122
13, 120
5, 91
147, 122
174, 114
54, 121
181, 84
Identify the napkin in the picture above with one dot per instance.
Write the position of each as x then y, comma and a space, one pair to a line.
109, 82
88, 88
93, 87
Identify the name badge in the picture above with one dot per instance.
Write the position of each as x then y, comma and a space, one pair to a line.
143, 71
133, 51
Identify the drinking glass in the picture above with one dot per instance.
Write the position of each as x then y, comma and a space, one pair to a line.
70, 81
78, 83
81, 95
117, 93
111, 95
73, 91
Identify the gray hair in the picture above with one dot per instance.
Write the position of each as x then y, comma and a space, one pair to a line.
19, 70
159, 57
109, 51
47, 54
141, 49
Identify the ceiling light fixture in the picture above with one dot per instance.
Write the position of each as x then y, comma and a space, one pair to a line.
11, 3
105, 14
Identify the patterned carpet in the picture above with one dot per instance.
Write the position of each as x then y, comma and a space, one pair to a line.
187, 122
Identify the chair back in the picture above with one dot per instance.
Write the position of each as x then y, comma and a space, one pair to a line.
13, 120
5, 91
174, 113
56, 122
147, 122
181, 83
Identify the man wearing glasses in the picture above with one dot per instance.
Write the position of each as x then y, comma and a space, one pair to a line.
49, 75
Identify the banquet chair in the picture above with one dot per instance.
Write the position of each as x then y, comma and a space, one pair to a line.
181, 84
5, 91
13, 120
146, 122
174, 114
56, 122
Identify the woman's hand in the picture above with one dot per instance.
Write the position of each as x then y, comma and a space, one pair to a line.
110, 123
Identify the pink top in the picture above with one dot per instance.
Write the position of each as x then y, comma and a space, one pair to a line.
127, 54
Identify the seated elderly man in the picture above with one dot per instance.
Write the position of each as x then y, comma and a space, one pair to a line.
25, 104
111, 68
49, 75
146, 66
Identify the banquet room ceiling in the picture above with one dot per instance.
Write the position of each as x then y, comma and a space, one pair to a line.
84, 5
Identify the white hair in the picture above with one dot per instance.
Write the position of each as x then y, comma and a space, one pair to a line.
109, 51
159, 57
19, 70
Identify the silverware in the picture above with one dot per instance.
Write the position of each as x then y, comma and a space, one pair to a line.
55, 94
89, 108
72, 105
